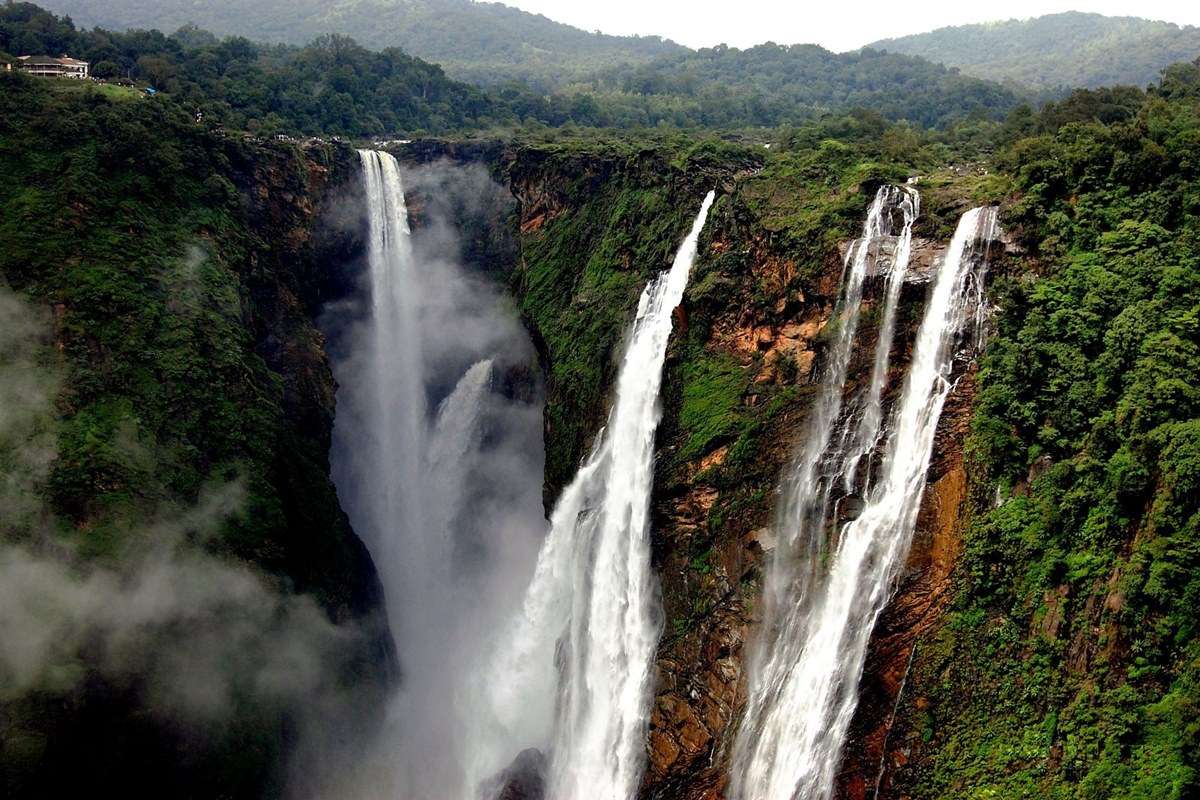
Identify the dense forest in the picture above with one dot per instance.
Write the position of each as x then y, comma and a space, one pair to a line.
1058, 50
770, 85
185, 449
1069, 666
335, 86
485, 43
167, 400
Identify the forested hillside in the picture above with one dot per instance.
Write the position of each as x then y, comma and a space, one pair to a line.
484, 43
1057, 50
772, 85
185, 608
1069, 664
334, 86
171, 541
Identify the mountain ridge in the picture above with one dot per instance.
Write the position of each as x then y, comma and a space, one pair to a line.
484, 43
1050, 52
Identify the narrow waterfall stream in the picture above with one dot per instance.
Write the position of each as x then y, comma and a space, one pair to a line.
804, 496
440, 475
818, 619
591, 620
866, 435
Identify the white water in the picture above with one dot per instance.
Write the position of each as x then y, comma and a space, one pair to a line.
866, 436
451, 517
591, 621
457, 432
390, 514
804, 496
804, 682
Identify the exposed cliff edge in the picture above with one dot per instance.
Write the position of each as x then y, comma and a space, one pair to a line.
749, 338
1041, 639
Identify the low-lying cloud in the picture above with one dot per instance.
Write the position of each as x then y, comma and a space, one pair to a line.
204, 638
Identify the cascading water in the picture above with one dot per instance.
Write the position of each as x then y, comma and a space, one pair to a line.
866, 435
594, 577
804, 680
805, 494
457, 431
416, 477
398, 407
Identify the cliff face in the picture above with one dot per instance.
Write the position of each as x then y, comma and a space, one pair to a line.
187, 485
594, 227
305, 208
739, 380
1039, 640
715, 510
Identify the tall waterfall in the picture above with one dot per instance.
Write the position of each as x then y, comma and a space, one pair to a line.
441, 477
592, 598
805, 676
805, 493
398, 402
866, 435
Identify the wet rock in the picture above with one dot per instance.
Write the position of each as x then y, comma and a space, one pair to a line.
762, 539
524, 779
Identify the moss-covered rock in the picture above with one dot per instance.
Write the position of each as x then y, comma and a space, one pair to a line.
184, 270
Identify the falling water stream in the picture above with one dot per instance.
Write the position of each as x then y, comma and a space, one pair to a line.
866, 434
804, 497
441, 477
822, 595
571, 676
591, 620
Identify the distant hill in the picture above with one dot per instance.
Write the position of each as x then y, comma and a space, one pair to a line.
485, 43
1058, 50
776, 84
335, 86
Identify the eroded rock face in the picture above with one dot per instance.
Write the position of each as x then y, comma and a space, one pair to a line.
713, 513
710, 609
525, 778
756, 316
871, 753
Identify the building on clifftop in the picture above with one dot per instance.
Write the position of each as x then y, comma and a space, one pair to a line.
48, 66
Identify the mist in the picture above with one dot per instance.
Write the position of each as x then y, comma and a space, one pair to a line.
438, 460
181, 645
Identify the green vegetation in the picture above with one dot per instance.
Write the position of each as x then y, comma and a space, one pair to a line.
772, 85
615, 219
130, 222
484, 43
1058, 50
1070, 665
711, 394
335, 86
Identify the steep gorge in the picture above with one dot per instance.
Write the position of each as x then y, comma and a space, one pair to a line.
187, 467
1038, 638
737, 388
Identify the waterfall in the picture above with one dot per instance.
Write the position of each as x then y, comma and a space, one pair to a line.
440, 476
457, 432
804, 496
804, 681
390, 515
591, 622
866, 435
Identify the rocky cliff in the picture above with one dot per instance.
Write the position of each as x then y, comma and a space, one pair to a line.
1033, 639
185, 488
749, 341
1041, 641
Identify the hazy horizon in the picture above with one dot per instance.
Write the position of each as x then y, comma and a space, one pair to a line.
705, 23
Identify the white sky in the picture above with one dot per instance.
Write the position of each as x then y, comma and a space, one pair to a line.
835, 24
